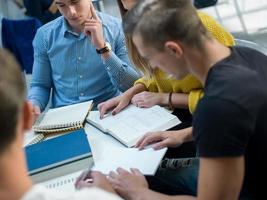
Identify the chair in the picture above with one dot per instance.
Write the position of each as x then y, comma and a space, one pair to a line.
17, 37
252, 45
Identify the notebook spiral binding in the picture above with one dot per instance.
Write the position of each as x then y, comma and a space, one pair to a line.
60, 183
58, 129
43, 134
38, 138
59, 126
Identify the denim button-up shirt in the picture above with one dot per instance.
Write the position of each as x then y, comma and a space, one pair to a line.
67, 63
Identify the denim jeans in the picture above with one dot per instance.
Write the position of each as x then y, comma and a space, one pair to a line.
176, 177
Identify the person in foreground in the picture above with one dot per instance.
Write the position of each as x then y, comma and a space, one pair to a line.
16, 117
78, 57
229, 124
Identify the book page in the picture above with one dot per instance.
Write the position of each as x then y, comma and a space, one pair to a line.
67, 115
94, 119
99, 141
147, 160
132, 123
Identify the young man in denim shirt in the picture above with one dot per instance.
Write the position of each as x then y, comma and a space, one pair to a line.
80, 56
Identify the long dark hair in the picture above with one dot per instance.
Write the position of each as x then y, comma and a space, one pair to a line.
139, 62
122, 9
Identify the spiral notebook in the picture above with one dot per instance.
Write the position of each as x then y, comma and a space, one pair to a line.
63, 183
35, 138
31, 138
66, 118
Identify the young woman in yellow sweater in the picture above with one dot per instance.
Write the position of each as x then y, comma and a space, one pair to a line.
157, 88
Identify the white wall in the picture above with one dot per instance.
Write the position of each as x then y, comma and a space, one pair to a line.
246, 19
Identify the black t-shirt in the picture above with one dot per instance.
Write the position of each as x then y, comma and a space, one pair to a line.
231, 118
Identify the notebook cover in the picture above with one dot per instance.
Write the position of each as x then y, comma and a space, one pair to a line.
57, 151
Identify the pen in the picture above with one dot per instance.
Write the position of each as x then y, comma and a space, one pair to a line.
87, 178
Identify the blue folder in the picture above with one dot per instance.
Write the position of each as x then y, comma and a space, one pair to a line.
57, 151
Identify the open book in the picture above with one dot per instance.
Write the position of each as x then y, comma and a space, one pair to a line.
132, 123
63, 119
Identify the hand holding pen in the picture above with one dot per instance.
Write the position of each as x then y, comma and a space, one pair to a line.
93, 179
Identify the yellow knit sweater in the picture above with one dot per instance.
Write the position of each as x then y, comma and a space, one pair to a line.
160, 82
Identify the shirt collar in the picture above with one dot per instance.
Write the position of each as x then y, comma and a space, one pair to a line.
66, 29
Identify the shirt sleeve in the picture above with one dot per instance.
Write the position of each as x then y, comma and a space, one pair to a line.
41, 82
193, 99
119, 66
221, 128
149, 83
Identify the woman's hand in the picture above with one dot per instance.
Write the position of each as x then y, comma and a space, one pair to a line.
148, 99
115, 104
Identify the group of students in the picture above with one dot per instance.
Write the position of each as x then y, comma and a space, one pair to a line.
187, 61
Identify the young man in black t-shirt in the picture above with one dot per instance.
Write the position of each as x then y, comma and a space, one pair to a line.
230, 123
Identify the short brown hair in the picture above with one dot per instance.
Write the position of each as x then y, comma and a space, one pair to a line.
158, 21
12, 94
